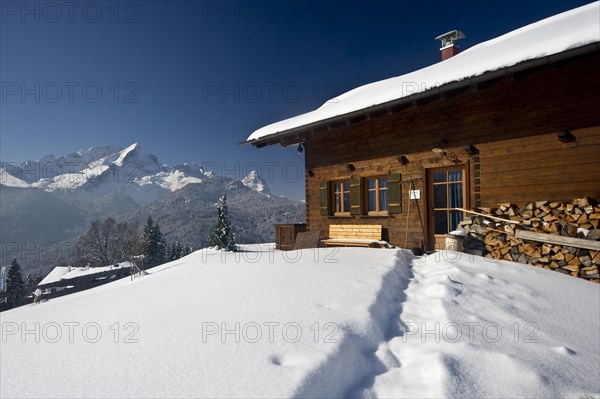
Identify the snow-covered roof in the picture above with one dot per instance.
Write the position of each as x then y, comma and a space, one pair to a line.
67, 272
55, 275
568, 30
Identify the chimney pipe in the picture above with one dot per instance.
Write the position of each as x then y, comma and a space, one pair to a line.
449, 47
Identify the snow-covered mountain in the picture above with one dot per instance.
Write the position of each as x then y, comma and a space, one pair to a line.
46, 204
255, 182
101, 170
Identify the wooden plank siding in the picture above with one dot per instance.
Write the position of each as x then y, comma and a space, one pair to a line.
546, 101
513, 123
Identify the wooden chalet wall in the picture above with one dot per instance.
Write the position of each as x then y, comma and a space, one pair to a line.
512, 121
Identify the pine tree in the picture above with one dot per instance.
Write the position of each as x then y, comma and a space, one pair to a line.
178, 250
14, 283
174, 252
153, 243
222, 236
29, 283
186, 250
170, 251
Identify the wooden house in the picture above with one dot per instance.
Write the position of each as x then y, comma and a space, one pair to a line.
515, 119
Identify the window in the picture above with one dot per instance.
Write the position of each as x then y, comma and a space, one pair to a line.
448, 194
341, 197
377, 195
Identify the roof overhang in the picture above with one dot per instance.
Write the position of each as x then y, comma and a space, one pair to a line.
299, 134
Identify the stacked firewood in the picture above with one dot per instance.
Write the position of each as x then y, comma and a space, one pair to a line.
568, 242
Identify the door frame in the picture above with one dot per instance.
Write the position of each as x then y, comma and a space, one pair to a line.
431, 242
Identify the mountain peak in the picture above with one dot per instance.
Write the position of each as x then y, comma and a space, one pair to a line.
95, 153
255, 182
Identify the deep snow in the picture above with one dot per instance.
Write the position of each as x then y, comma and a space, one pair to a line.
312, 323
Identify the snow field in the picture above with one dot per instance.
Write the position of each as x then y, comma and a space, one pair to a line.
189, 328
474, 327
339, 322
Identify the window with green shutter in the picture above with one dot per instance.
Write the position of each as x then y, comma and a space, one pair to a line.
394, 193
355, 196
324, 198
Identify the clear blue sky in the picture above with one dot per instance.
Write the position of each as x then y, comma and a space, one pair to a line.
188, 80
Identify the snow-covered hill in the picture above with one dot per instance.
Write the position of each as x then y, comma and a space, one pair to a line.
347, 322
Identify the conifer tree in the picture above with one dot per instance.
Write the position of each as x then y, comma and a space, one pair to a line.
186, 250
153, 243
178, 250
222, 236
14, 283
175, 251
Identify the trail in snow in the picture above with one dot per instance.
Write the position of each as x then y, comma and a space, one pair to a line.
472, 328
354, 362
401, 326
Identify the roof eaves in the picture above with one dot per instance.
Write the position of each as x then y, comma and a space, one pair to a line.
287, 136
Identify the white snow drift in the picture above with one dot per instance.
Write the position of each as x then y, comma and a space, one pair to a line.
345, 322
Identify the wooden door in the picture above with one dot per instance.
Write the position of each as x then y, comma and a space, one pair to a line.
446, 190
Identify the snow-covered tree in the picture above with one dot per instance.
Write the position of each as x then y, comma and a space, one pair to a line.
15, 286
186, 250
175, 251
153, 244
222, 236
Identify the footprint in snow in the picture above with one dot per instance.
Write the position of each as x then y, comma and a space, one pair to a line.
452, 281
563, 350
387, 357
440, 290
276, 360
484, 276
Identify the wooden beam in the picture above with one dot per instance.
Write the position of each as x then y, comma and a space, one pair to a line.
558, 240
488, 216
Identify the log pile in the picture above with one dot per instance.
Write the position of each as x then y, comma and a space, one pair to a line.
561, 236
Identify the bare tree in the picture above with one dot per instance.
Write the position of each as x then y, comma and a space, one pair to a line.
108, 242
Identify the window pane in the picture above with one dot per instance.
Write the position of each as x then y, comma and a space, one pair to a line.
372, 204
455, 218
338, 203
439, 177
439, 196
440, 222
382, 182
346, 186
346, 202
383, 200
371, 184
456, 195
455, 175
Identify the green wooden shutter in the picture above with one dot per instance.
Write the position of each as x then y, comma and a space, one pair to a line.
324, 196
355, 196
395, 193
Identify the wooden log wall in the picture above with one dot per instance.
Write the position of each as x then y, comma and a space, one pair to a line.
394, 225
513, 122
